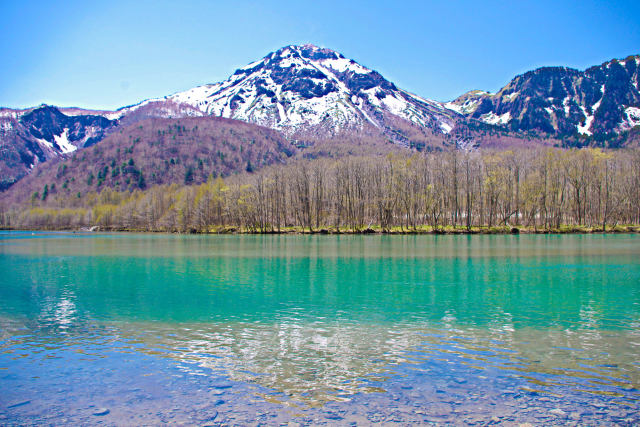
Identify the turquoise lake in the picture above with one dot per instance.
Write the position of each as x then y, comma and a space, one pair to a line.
206, 330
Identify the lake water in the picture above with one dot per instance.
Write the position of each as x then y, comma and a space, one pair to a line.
155, 328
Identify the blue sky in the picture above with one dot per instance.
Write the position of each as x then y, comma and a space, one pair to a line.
116, 53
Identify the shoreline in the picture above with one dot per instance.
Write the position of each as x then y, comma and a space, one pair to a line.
425, 230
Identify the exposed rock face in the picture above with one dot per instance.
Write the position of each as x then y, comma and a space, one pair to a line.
312, 94
301, 87
599, 101
64, 133
30, 137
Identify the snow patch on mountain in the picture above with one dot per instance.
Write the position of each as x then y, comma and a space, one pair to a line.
511, 96
466, 106
560, 101
9, 114
446, 128
455, 107
62, 141
6, 126
632, 115
584, 127
298, 87
494, 119
343, 65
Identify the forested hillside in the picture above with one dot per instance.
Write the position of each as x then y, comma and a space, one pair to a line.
322, 143
154, 152
29, 138
544, 189
316, 96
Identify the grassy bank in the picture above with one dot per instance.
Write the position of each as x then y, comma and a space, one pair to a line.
566, 229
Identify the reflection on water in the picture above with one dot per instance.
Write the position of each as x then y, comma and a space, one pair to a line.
323, 361
358, 329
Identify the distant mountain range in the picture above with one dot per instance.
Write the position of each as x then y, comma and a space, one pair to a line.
312, 94
601, 100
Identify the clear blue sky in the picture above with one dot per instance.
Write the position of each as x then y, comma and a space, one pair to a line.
114, 53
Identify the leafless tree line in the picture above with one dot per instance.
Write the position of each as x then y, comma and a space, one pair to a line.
540, 189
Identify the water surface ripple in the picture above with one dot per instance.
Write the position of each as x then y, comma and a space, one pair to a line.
154, 329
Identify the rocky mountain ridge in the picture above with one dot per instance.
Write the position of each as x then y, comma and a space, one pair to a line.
302, 87
311, 94
598, 102
30, 137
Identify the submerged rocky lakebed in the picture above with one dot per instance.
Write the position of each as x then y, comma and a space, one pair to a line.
154, 329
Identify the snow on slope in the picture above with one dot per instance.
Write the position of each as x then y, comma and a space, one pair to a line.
298, 87
632, 116
562, 101
62, 141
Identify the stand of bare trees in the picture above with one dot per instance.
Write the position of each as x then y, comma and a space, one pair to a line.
541, 189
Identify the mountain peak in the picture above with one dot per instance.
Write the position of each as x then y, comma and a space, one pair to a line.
309, 51
631, 59
601, 100
304, 87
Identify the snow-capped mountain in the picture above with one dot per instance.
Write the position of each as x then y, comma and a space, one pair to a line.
310, 93
306, 92
562, 101
306, 87
32, 136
